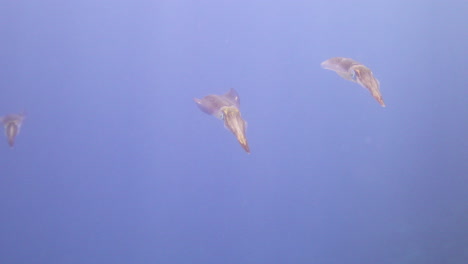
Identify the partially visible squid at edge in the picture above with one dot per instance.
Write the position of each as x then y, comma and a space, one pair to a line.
12, 124
227, 108
356, 72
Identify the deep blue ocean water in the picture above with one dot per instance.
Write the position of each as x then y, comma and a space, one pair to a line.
116, 164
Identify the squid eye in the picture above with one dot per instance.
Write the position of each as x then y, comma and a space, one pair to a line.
352, 74
221, 115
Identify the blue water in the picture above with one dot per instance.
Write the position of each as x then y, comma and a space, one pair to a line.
116, 164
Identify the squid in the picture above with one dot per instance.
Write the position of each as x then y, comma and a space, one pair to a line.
12, 124
226, 107
356, 72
